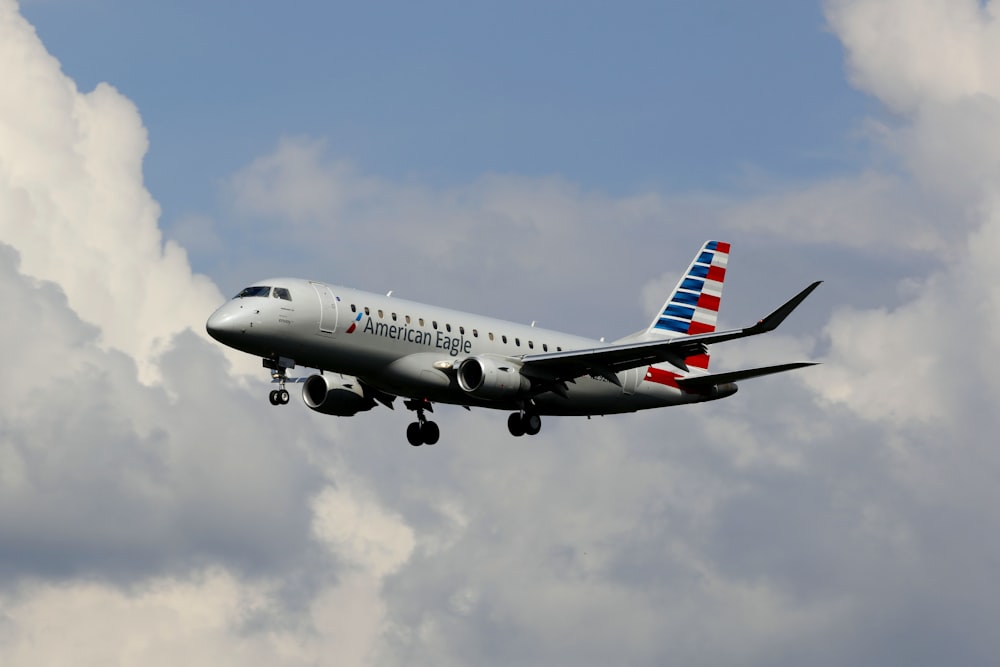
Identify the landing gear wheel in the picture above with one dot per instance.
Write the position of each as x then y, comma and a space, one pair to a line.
515, 425
531, 423
430, 433
421, 432
278, 366
413, 435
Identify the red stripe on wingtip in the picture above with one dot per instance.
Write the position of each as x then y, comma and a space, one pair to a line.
716, 273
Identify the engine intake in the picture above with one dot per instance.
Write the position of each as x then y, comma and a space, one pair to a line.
335, 394
491, 378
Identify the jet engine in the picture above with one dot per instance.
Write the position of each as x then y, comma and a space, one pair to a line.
335, 394
491, 377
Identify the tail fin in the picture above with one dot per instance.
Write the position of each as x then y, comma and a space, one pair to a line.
693, 306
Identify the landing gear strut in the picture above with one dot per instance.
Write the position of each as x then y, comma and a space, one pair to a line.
278, 367
422, 431
524, 423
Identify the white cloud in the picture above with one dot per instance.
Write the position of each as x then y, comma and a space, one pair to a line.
909, 54
75, 208
148, 514
210, 618
294, 183
843, 515
934, 61
360, 531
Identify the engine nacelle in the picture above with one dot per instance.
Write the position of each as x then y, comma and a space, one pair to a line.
491, 377
335, 394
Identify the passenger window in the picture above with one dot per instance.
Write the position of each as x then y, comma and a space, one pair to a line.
380, 314
517, 341
531, 346
434, 324
447, 327
475, 333
421, 321
394, 317
367, 312
407, 318
504, 339
491, 335
559, 348
545, 347
354, 308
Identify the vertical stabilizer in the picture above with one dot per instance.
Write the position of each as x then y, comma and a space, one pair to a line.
693, 306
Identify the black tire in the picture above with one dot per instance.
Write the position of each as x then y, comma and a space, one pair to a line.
413, 434
283, 396
515, 425
531, 423
430, 433
273, 397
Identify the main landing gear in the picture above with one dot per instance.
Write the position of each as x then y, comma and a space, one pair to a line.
425, 432
278, 367
524, 423
422, 431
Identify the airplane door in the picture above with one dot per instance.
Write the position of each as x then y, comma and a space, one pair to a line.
327, 309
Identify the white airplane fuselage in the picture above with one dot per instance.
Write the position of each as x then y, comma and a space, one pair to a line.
411, 349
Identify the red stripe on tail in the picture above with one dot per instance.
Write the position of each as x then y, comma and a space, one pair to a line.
709, 302
716, 273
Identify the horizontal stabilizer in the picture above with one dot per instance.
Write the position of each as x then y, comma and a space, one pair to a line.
702, 382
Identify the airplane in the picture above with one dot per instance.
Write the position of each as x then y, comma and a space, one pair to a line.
370, 349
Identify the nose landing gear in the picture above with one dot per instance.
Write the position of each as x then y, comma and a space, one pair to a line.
422, 431
278, 367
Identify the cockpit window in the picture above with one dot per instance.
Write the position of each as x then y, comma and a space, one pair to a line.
259, 290
282, 293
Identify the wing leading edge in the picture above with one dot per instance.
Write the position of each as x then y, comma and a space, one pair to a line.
608, 360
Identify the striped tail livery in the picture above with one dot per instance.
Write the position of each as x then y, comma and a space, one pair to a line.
693, 306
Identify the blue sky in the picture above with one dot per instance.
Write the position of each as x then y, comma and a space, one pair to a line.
618, 97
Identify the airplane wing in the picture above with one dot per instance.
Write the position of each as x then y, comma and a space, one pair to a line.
606, 361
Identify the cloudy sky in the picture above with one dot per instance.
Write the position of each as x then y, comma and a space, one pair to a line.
557, 162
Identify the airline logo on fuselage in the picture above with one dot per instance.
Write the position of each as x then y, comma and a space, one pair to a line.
354, 324
437, 339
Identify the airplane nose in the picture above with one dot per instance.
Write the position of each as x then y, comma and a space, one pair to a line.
223, 324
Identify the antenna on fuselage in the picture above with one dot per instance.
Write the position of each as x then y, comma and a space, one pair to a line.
389, 293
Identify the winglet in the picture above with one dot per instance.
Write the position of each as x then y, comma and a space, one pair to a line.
771, 322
